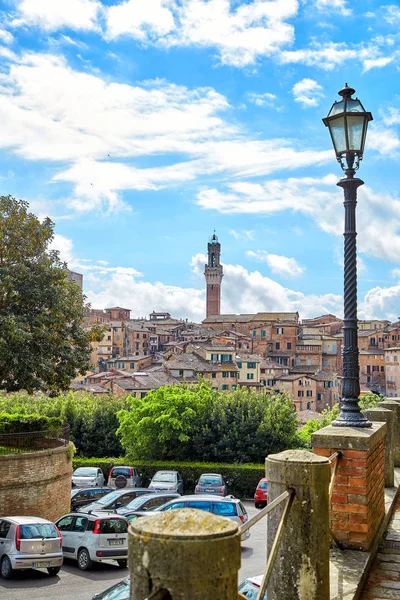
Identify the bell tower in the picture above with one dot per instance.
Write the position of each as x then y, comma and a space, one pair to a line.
213, 274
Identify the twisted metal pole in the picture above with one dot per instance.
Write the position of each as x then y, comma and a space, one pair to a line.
350, 412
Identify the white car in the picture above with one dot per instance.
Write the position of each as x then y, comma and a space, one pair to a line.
87, 477
29, 543
251, 586
94, 538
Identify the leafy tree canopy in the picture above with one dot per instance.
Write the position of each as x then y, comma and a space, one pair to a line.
195, 422
42, 342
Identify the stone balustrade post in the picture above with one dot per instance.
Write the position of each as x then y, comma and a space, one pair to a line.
391, 404
191, 553
301, 568
383, 415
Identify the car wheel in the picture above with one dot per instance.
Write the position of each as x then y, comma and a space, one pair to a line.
122, 562
257, 504
84, 560
53, 570
6, 568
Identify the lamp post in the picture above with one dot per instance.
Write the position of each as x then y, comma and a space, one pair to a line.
347, 122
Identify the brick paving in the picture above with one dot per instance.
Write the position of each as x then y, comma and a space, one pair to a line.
383, 582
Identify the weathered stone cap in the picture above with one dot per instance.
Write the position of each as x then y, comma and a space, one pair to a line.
297, 468
349, 438
188, 523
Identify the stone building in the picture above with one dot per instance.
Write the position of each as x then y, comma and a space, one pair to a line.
392, 371
213, 274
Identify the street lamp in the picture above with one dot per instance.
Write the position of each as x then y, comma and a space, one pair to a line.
347, 122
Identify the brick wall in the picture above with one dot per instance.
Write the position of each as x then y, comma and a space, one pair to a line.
357, 503
36, 484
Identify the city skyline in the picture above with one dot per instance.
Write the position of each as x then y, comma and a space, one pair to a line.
140, 131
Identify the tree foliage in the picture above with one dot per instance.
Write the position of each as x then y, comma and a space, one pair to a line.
92, 419
194, 422
42, 342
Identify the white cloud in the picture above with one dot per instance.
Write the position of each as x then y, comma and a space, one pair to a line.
265, 99
55, 14
391, 14
307, 92
382, 139
318, 199
396, 273
65, 247
248, 235
240, 32
334, 5
6, 36
98, 129
381, 302
281, 265
377, 63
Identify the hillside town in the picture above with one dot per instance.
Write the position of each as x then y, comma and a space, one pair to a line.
273, 352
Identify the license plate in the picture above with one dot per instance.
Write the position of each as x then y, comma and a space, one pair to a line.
40, 565
265, 493
209, 490
115, 542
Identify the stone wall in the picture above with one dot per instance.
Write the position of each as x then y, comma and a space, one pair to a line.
36, 483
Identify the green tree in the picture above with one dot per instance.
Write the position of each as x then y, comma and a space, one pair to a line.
196, 423
42, 342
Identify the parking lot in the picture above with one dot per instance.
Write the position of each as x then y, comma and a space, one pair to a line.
73, 584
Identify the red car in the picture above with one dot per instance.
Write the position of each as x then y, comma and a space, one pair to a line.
261, 495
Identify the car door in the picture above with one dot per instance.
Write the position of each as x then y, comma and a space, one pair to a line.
78, 531
180, 484
137, 480
65, 526
174, 505
200, 505
5, 541
100, 478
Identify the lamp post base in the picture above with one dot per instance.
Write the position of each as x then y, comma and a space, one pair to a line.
351, 415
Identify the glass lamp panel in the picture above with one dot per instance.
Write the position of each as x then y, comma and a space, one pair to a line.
355, 131
354, 106
337, 130
337, 108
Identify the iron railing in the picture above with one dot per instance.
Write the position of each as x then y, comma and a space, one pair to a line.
31, 441
287, 496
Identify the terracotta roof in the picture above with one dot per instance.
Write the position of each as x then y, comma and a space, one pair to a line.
303, 369
145, 381
306, 415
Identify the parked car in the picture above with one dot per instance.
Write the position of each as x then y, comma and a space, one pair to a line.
211, 483
147, 502
229, 507
94, 538
84, 496
251, 586
120, 591
87, 477
164, 481
121, 477
113, 500
261, 493
29, 543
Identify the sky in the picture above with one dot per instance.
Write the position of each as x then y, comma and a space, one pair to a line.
141, 126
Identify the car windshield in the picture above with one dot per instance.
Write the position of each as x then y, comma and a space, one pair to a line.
263, 485
120, 591
139, 501
37, 530
125, 471
84, 472
165, 477
225, 509
248, 589
108, 498
114, 526
210, 480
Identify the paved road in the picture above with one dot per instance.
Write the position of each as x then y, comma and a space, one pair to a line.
73, 584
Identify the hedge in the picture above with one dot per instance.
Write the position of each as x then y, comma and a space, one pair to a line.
18, 423
242, 479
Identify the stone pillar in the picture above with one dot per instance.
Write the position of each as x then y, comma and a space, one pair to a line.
380, 414
357, 503
191, 553
301, 568
395, 407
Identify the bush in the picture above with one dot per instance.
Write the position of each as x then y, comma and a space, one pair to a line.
17, 423
92, 419
242, 479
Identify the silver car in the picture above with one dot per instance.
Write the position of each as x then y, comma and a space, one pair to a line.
211, 483
87, 477
121, 477
94, 538
29, 543
167, 481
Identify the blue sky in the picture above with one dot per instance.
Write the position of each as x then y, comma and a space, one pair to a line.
141, 126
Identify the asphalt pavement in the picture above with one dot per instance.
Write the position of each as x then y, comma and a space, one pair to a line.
73, 584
